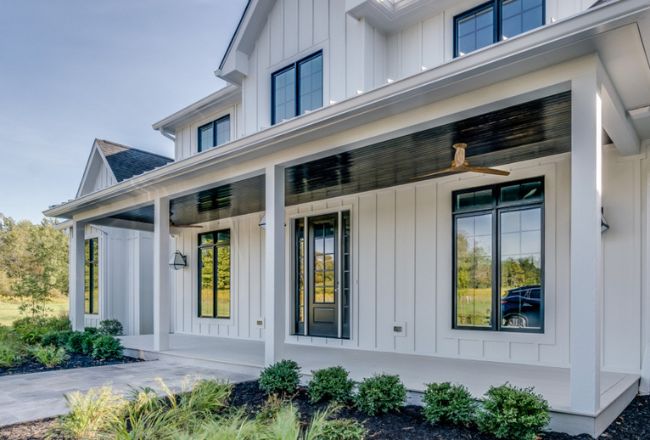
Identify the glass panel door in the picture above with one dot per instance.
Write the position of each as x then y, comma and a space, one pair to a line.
323, 288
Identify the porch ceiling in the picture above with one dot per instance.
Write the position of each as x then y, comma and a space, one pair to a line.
530, 130
537, 128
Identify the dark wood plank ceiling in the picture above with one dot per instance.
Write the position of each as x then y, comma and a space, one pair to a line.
534, 129
527, 131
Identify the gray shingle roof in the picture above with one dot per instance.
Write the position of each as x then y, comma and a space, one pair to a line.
127, 162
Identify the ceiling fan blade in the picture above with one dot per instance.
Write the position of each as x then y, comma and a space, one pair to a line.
187, 226
484, 170
439, 172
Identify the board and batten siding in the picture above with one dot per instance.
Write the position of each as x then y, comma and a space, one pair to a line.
402, 270
247, 291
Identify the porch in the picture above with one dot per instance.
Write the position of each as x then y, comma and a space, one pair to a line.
616, 392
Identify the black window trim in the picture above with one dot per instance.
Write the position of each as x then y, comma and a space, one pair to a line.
200, 148
495, 210
296, 66
215, 245
497, 6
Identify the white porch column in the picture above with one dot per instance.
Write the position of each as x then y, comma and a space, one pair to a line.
161, 281
274, 263
586, 246
76, 275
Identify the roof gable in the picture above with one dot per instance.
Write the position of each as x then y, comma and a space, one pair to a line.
110, 163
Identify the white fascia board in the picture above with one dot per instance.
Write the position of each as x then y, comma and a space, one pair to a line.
554, 41
222, 97
91, 157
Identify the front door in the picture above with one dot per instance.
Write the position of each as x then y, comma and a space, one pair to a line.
323, 277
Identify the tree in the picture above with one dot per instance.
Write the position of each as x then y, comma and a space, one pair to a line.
35, 260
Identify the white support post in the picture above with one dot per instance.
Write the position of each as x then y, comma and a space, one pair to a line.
161, 277
76, 283
274, 303
586, 243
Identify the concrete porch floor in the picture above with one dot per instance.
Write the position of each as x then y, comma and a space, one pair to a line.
617, 389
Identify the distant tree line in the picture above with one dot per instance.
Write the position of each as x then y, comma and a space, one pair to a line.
33, 263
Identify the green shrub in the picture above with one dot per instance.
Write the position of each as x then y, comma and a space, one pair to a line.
88, 341
32, 329
280, 378
74, 343
330, 384
513, 413
207, 396
324, 426
91, 330
447, 403
106, 347
380, 394
10, 354
49, 355
111, 327
56, 338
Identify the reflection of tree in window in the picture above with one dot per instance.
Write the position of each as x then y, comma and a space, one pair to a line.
91, 276
214, 260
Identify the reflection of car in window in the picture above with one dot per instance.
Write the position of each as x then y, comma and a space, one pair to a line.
520, 307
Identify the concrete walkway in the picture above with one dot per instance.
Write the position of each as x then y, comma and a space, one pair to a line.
29, 397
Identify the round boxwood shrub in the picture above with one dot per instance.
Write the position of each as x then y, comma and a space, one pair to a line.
447, 403
107, 347
330, 384
380, 394
280, 378
513, 413
111, 327
74, 344
56, 338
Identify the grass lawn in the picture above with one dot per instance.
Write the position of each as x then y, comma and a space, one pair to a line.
9, 309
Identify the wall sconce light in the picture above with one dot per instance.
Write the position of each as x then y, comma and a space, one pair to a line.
604, 226
262, 223
178, 261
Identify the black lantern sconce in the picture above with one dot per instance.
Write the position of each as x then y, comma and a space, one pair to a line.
178, 261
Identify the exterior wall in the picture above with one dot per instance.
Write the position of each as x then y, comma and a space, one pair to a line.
401, 249
357, 57
125, 279
247, 291
98, 177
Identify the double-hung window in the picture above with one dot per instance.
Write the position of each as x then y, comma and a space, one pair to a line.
297, 88
91, 276
214, 133
322, 275
494, 21
498, 257
214, 274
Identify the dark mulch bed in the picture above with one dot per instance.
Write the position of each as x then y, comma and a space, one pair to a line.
409, 424
74, 361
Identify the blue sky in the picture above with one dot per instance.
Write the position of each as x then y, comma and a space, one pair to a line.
75, 70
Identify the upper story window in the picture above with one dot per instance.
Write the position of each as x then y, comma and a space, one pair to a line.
297, 88
495, 21
499, 257
214, 133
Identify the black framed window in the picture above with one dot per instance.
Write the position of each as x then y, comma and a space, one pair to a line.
297, 88
214, 133
498, 257
494, 21
214, 274
91, 276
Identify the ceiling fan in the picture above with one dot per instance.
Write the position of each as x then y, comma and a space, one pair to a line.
461, 165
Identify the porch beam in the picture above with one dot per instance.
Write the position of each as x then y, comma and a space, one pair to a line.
586, 244
274, 261
616, 122
161, 276
76, 284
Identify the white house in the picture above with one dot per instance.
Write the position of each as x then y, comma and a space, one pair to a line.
313, 202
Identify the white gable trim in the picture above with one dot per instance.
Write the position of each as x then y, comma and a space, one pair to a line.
95, 151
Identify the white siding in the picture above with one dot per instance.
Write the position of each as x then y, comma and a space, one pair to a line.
246, 293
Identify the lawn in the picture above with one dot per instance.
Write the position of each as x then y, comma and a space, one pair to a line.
9, 309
